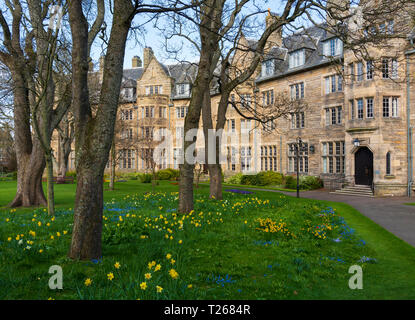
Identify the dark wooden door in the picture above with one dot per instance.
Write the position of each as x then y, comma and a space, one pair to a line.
363, 164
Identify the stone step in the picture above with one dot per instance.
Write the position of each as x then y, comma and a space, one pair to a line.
357, 194
357, 189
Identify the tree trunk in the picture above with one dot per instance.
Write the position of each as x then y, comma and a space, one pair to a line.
94, 134
87, 228
215, 171
112, 167
30, 168
211, 22
51, 194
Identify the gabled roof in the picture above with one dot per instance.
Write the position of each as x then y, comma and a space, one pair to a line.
311, 39
132, 74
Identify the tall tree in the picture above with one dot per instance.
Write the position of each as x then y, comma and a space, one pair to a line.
28, 52
94, 132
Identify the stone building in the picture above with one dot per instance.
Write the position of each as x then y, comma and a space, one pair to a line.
356, 126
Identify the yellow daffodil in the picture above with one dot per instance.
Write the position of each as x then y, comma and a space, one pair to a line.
117, 265
88, 282
110, 276
159, 289
147, 276
143, 285
173, 273
168, 256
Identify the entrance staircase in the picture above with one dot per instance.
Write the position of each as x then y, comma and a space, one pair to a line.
356, 190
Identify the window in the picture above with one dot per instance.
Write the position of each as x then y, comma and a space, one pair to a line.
150, 90
297, 91
297, 58
268, 97
352, 109
297, 120
127, 133
245, 100
245, 125
269, 158
351, 72
369, 107
333, 116
369, 70
268, 67
148, 112
390, 27
394, 69
390, 107
127, 114
388, 163
332, 47
292, 158
162, 112
231, 125
386, 107
126, 159
245, 158
181, 112
385, 68
334, 83
333, 157
360, 108
359, 71
183, 89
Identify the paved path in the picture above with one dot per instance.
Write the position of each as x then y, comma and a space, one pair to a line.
391, 212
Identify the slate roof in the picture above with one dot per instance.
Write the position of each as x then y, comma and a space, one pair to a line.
311, 40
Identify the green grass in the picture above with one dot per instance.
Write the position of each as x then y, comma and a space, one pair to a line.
222, 254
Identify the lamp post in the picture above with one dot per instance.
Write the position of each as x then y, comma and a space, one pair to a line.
298, 147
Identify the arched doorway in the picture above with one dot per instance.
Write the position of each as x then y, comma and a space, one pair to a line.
363, 166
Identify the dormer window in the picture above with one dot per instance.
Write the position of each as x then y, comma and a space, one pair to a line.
297, 58
268, 67
332, 47
183, 89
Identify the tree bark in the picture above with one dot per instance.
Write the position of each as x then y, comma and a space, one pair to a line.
215, 170
94, 135
112, 168
211, 22
29, 153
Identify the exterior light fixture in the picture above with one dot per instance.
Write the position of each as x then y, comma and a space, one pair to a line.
356, 142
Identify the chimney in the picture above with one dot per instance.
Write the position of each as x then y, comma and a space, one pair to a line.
275, 39
147, 55
136, 62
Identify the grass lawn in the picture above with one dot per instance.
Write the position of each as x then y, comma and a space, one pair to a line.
262, 245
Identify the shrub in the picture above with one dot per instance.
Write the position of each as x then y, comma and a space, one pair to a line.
310, 183
235, 179
71, 174
250, 179
174, 174
266, 178
290, 182
306, 182
164, 174
145, 177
